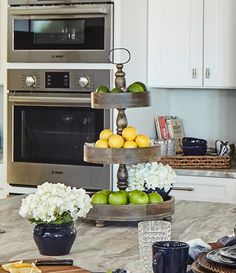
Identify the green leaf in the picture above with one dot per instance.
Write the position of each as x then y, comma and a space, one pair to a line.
64, 218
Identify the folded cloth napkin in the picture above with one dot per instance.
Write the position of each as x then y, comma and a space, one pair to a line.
198, 246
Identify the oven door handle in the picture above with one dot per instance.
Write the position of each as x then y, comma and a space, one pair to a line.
59, 11
38, 99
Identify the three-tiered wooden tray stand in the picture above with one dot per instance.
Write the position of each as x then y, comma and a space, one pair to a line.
122, 156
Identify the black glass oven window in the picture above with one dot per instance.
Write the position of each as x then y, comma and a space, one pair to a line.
55, 134
73, 34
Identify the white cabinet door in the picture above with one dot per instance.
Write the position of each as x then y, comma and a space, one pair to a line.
175, 43
220, 43
209, 189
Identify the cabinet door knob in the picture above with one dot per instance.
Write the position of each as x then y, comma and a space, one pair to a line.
183, 188
194, 73
208, 73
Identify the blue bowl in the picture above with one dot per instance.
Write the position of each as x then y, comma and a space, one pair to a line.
192, 141
194, 150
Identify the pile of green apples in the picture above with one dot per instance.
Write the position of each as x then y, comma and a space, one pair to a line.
123, 197
134, 87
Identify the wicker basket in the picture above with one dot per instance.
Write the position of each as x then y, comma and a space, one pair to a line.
197, 162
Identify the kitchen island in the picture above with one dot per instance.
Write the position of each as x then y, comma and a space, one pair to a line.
116, 245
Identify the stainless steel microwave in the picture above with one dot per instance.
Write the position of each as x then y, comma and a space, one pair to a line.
71, 31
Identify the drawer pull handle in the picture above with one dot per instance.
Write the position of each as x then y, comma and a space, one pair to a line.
183, 188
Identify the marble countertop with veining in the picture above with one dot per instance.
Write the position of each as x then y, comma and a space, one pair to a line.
116, 245
1, 156
220, 173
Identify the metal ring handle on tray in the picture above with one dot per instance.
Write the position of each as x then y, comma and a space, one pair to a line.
116, 49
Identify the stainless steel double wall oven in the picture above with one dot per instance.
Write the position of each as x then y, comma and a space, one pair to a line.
60, 31
49, 120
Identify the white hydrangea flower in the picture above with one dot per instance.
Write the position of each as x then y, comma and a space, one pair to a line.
151, 175
50, 201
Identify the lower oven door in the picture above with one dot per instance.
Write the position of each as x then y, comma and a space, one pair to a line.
46, 135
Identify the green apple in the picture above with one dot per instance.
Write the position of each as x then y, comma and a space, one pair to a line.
136, 87
126, 192
138, 197
102, 89
143, 85
154, 197
118, 198
106, 192
116, 90
99, 198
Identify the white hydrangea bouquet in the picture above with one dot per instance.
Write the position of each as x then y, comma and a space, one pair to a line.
151, 177
55, 204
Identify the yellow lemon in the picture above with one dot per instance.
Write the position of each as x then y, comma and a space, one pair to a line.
129, 133
105, 134
20, 267
142, 141
130, 144
9, 265
101, 143
116, 141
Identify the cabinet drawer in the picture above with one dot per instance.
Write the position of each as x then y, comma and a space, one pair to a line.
205, 189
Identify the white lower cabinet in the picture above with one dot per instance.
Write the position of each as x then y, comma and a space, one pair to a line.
207, 189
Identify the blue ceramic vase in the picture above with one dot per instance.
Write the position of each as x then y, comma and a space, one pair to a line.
165, 195
54, 239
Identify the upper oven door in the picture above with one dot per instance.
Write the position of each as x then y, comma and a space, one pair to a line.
73, 33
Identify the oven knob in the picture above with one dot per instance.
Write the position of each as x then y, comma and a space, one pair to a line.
30, 81
84, 82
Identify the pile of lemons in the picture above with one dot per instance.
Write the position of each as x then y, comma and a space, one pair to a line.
129, 139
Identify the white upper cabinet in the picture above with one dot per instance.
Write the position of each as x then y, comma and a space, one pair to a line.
220, 43
192, 43
175, 43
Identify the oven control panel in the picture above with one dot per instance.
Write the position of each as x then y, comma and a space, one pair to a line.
57, 79
73, 80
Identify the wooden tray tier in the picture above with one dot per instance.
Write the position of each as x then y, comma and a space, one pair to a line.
132, 212
120, 156
120, 100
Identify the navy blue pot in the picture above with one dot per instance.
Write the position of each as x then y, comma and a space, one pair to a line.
162, 192
54, 239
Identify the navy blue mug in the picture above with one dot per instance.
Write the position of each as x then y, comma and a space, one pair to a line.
170, 257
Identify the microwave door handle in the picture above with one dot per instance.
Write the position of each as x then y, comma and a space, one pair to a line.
43, 12
39, 99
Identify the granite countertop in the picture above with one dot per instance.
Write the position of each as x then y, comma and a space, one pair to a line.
1, 156
116, 245
218, 173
